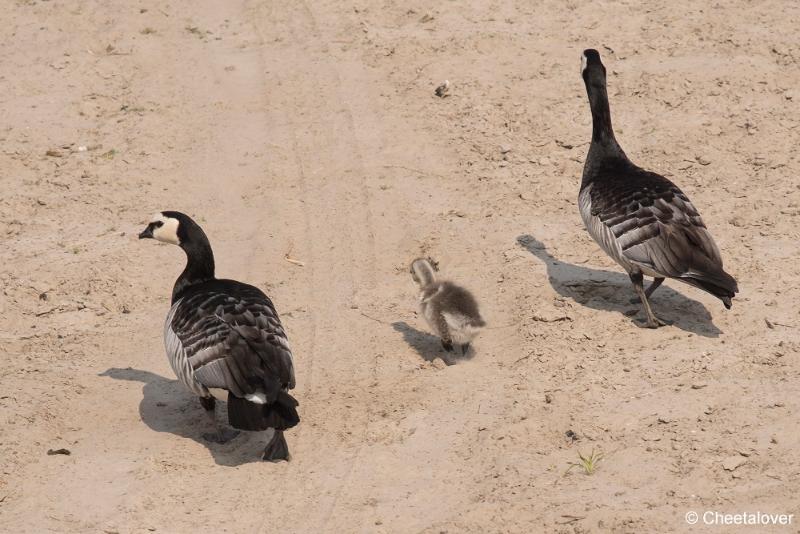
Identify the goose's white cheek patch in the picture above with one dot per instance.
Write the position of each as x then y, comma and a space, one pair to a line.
167, 232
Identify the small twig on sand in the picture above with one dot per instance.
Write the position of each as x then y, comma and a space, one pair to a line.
296, 262
570, 519
288, 257
523, 358
373, 318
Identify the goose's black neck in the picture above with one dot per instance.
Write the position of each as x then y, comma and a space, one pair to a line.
199, 262
602, 131
604, 143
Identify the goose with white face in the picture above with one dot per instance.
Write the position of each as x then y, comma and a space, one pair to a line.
162, 228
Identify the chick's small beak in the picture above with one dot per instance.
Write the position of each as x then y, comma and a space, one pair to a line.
146, 233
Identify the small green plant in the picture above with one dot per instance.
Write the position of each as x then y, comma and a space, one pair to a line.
587, 463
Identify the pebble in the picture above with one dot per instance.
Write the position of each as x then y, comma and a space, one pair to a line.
732, 462
737, 221
443, 89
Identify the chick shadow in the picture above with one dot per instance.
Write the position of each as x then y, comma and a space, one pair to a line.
428, 346
611, 291
166, 406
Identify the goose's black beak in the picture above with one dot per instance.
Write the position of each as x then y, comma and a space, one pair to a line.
147, 232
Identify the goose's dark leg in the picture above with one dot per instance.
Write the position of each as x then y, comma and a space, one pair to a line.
277, 449
652, 321
444, 332
653, 286
464, 349
220, 434
656, 282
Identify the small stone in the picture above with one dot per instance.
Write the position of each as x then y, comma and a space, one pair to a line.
548, 398
562, 144
702, 160
737, 221
699, 385
733, 462
443, 89
651, 436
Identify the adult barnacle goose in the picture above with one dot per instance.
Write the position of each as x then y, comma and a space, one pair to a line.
450, 310
639, 218
225, 336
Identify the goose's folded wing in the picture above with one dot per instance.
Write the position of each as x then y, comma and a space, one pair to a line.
656, 226
235, 342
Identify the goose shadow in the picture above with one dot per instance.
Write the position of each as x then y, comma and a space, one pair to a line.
167, 407
428, 346
612, 291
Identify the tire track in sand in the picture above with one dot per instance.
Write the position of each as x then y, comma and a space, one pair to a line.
339, 248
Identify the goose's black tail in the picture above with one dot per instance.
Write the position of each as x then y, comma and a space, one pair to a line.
246, 415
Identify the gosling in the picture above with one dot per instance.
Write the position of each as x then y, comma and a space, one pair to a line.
450, 310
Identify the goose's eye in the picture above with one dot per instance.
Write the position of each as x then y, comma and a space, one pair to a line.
158, 224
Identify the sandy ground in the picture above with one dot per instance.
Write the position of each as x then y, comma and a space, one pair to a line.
311, 130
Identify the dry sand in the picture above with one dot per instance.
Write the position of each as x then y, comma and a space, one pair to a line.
311, 130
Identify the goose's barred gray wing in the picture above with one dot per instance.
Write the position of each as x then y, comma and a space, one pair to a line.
657, 228
229, 336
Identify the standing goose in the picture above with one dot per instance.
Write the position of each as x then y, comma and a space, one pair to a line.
639, 218
450, 310
223, 335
